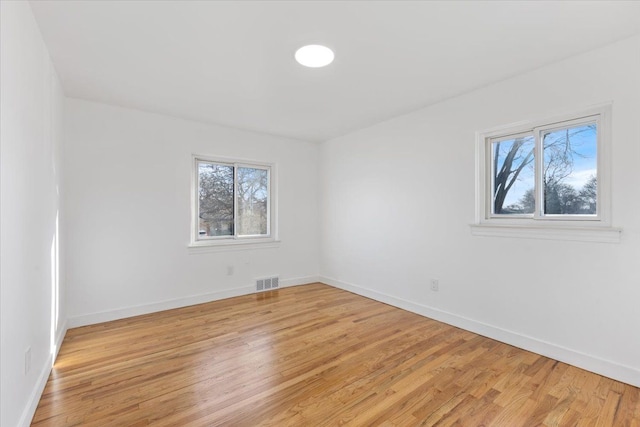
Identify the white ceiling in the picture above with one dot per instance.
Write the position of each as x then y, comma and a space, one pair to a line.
232, 63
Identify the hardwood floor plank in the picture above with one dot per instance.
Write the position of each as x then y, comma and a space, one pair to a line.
314, 356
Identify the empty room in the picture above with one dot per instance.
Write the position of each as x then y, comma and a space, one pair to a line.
320, 213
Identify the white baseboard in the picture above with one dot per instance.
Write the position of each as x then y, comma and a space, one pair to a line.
36, 393
38, 389
284, 283
122, 313
607, 368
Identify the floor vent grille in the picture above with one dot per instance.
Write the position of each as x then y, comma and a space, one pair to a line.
267, 283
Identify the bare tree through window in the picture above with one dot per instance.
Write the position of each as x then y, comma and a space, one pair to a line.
569, 172
233, 200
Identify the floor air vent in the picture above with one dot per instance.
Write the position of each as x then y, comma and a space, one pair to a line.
267, 283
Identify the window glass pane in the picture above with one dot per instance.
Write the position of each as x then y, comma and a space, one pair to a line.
253, 193
513, 176
215, 191
570, 170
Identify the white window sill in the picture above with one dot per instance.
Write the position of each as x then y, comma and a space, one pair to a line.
208, 246
549, 232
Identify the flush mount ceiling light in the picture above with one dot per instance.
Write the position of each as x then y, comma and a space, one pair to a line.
314, 56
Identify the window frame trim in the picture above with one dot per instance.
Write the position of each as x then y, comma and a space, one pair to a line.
526, 225
233, 240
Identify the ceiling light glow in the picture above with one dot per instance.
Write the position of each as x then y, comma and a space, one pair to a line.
314, 56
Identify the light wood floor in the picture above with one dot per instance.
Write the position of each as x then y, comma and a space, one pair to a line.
315, 356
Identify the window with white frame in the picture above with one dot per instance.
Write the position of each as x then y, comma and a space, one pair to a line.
547, 173
231, 201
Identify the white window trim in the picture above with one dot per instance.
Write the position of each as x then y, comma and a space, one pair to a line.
221, 243
578, 228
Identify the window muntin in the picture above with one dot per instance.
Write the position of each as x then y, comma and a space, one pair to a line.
547, 172
232, 200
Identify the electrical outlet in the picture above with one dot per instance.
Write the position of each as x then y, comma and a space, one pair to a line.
435, 285
230, 270
27, 360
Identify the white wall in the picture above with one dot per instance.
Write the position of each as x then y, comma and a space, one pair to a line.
31, 282
128, 202
397, 200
